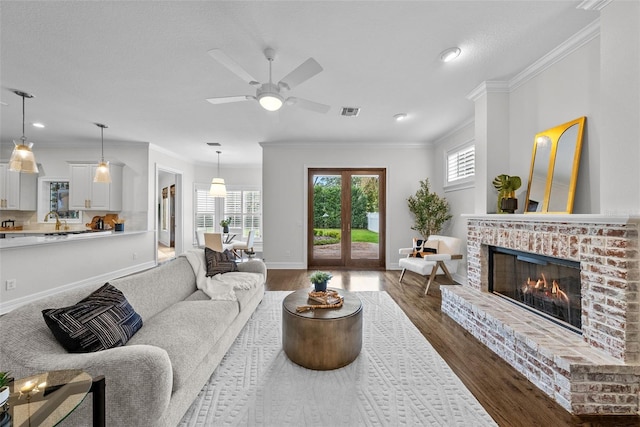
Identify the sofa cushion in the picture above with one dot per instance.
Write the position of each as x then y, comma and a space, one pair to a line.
187, 331
102, 320
219, 262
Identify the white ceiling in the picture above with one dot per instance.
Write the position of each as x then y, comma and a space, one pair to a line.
143, 69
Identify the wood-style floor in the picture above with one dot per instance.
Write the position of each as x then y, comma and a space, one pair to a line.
504, 393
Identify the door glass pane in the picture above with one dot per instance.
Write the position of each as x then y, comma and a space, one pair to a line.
365, 195
327, 214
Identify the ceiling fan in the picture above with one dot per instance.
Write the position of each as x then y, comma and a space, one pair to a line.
269, 95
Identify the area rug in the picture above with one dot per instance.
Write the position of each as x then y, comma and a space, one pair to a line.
398, 379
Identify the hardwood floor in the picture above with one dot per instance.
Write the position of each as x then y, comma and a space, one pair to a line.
504, 393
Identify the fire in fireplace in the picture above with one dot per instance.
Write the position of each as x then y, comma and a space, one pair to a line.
547, 286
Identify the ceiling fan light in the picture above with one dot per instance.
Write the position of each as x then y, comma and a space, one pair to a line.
22, 158
102, 173
218, 188
270, 101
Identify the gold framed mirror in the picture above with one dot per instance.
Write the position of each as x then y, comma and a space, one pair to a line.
554, 168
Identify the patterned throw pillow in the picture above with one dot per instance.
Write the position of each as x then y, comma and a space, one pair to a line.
424, 247
219, 262
103, 320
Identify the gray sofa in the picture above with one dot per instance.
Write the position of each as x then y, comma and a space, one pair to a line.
154, 378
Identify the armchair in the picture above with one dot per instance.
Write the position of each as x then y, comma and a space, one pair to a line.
446, 259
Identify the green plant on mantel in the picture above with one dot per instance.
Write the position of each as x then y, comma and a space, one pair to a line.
506, 186
429, 210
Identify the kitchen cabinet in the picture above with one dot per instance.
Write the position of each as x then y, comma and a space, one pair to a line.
86, 195
18, 191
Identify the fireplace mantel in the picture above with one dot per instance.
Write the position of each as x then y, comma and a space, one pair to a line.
604, 376
560, 218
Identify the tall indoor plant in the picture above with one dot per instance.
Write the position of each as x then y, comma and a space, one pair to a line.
429, 210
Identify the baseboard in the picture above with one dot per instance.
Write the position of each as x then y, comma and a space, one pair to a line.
15, 303
285, 265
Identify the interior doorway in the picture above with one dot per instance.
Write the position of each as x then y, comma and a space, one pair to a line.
346, 217
168, 215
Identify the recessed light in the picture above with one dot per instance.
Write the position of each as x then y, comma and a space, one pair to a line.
400, 116
450, 54
37, 125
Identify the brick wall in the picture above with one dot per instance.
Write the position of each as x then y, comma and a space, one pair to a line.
597, 372
608, 257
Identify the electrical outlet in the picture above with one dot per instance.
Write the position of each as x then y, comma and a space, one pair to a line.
135, 255
11, 284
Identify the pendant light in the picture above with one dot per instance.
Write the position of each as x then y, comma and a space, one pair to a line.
102, 171
22, 158
218, 189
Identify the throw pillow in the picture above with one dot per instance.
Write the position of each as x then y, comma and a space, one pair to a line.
424, 247
103, 320
219, 262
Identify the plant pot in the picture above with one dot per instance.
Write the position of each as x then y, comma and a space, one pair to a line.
119, 227
4, 395
225, 230
320, 287
509, 205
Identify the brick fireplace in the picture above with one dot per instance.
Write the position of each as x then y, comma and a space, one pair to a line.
595, 372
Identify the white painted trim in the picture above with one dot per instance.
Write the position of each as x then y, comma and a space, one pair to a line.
593, 4
418, 144
15, 303
559, 218
455, 130
489, 86
565, 49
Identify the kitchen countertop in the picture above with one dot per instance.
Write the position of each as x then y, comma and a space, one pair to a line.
39, 237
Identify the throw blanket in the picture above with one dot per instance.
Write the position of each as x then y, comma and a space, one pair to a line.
218, 287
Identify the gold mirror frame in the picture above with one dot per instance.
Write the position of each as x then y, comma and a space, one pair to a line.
554, 166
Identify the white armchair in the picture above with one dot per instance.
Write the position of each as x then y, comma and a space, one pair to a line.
446, 260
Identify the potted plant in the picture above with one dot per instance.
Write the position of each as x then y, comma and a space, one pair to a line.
507, 186
4, 387
319, 280
225, 225
429, 210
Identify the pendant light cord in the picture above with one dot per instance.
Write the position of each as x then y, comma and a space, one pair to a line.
24, 138
218, 162
102, 142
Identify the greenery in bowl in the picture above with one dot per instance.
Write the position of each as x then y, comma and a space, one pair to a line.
320, 277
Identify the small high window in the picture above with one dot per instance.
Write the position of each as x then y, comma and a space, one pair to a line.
461, 165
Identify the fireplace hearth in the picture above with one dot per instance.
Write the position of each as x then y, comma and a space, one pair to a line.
547, 286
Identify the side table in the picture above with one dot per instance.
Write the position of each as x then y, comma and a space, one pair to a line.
48, 398
322, 339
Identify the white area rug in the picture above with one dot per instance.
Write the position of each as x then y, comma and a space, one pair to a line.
398, 379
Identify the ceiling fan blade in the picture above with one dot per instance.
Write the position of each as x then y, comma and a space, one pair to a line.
227, 99
304, 72
308, 105
233, 66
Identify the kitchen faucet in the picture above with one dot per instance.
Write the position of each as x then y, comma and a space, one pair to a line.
58, 223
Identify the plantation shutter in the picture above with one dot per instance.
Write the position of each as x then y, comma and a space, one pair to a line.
461, 164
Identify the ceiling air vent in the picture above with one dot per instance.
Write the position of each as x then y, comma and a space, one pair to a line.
350, 111
214, 144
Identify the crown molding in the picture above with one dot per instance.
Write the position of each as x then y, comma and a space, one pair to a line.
331, 144
489, 86
593, 4
565, 49
455, 130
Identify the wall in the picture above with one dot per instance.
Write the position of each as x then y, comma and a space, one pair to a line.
284, 178
461, 199
565, 91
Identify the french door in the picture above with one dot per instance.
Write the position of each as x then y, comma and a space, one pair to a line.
346, 218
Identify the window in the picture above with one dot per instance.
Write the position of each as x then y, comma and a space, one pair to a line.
205, 209
244, 207
461, 165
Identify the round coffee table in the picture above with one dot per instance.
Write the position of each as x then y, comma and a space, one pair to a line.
322, 339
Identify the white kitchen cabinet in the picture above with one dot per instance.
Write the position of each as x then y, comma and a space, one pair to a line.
86, 195
18, 191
